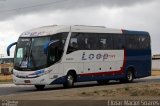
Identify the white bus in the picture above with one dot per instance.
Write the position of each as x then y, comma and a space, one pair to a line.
68, 54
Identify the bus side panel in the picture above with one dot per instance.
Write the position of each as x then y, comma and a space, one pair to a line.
56, 74
140, 60
138, 48
94, 65
73, 66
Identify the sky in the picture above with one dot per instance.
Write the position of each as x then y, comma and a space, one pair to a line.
17, 16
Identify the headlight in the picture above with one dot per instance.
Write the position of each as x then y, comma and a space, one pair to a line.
38, 73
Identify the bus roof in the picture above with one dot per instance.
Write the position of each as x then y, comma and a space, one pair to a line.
135, 32
53, 29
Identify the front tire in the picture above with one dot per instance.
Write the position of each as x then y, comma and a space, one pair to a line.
69, 81
39, 87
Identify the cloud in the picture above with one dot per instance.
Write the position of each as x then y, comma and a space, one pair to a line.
12, 8
128, 15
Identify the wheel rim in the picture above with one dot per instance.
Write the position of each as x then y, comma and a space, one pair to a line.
70, 80
129, 76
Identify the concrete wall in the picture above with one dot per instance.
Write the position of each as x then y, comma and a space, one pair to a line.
156, 64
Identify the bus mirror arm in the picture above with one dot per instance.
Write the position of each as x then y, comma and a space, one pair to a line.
9, 47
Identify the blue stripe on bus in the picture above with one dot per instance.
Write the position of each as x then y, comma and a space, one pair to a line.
62, 80
135, 32
59, 80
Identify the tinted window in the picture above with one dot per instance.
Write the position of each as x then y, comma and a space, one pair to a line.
138, 41
56, 49
105, 42
91, 41
144, 42
83, 41
132, 41
73, 43
119, 41
61, 37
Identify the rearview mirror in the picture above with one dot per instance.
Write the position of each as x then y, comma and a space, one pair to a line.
9, 47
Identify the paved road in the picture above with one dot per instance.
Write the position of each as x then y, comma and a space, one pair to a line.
10, 89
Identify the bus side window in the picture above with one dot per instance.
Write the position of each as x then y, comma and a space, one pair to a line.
73, 43
138, 41
56, 50
105, 42
102, 43
86, 43
131, 41
91, 41
80, 41
119, 41
144, 42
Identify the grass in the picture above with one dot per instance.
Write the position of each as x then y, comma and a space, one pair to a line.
127, 88
83, 93
139, 90
134, 93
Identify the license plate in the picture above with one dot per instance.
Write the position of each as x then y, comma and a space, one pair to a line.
27, 81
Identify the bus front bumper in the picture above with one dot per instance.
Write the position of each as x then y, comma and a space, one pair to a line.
41, 80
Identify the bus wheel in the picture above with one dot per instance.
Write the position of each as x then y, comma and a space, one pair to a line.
69, 81
39, 87
103, 82
129, 77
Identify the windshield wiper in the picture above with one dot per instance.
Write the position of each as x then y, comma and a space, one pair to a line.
24, 62
31, 60
24, 59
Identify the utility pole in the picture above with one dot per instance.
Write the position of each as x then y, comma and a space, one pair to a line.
1, 56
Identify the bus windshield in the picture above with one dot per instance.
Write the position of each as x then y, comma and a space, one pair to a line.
29, 54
